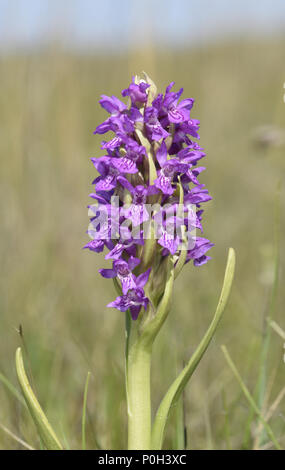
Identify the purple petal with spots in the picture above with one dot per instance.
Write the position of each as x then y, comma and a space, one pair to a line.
125, 165
169, 242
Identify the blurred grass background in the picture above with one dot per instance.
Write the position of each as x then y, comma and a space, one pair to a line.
48, 111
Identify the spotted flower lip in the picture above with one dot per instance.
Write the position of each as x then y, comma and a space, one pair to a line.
151, 158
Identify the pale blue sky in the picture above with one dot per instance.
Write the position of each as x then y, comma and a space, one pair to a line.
120, 23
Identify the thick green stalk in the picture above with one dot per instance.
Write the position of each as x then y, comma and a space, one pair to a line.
139, 399
139, 341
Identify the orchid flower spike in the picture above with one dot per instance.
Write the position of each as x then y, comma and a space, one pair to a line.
148, 187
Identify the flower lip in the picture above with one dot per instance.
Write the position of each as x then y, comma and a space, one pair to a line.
140, 195
122, 268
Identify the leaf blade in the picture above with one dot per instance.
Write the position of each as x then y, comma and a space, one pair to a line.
44, 428
84, 409
181, 381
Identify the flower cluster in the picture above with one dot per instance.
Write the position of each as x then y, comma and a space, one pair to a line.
151, 161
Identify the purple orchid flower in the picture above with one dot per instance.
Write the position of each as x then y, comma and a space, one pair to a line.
109, 169
129, 246
197, 195
170, 110
169, 241
98, 245
153, 126
122, 121
112, 145
137, 212
168, 169
112, 104
105, 223
190, 155
191, 127
134, 151
202, 245
137, 92
123, 271
135, 299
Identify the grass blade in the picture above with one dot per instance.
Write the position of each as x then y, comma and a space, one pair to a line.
84, 412
250, 398
16, 438
266, 340
227, 432
12, 389
277, 328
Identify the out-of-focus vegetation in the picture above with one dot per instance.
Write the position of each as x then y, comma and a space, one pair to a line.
48, 111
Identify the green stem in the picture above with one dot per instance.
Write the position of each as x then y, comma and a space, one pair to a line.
139, 340
139, 399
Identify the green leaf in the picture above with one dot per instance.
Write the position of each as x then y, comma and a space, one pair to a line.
175, 390
180, 430
46, 433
